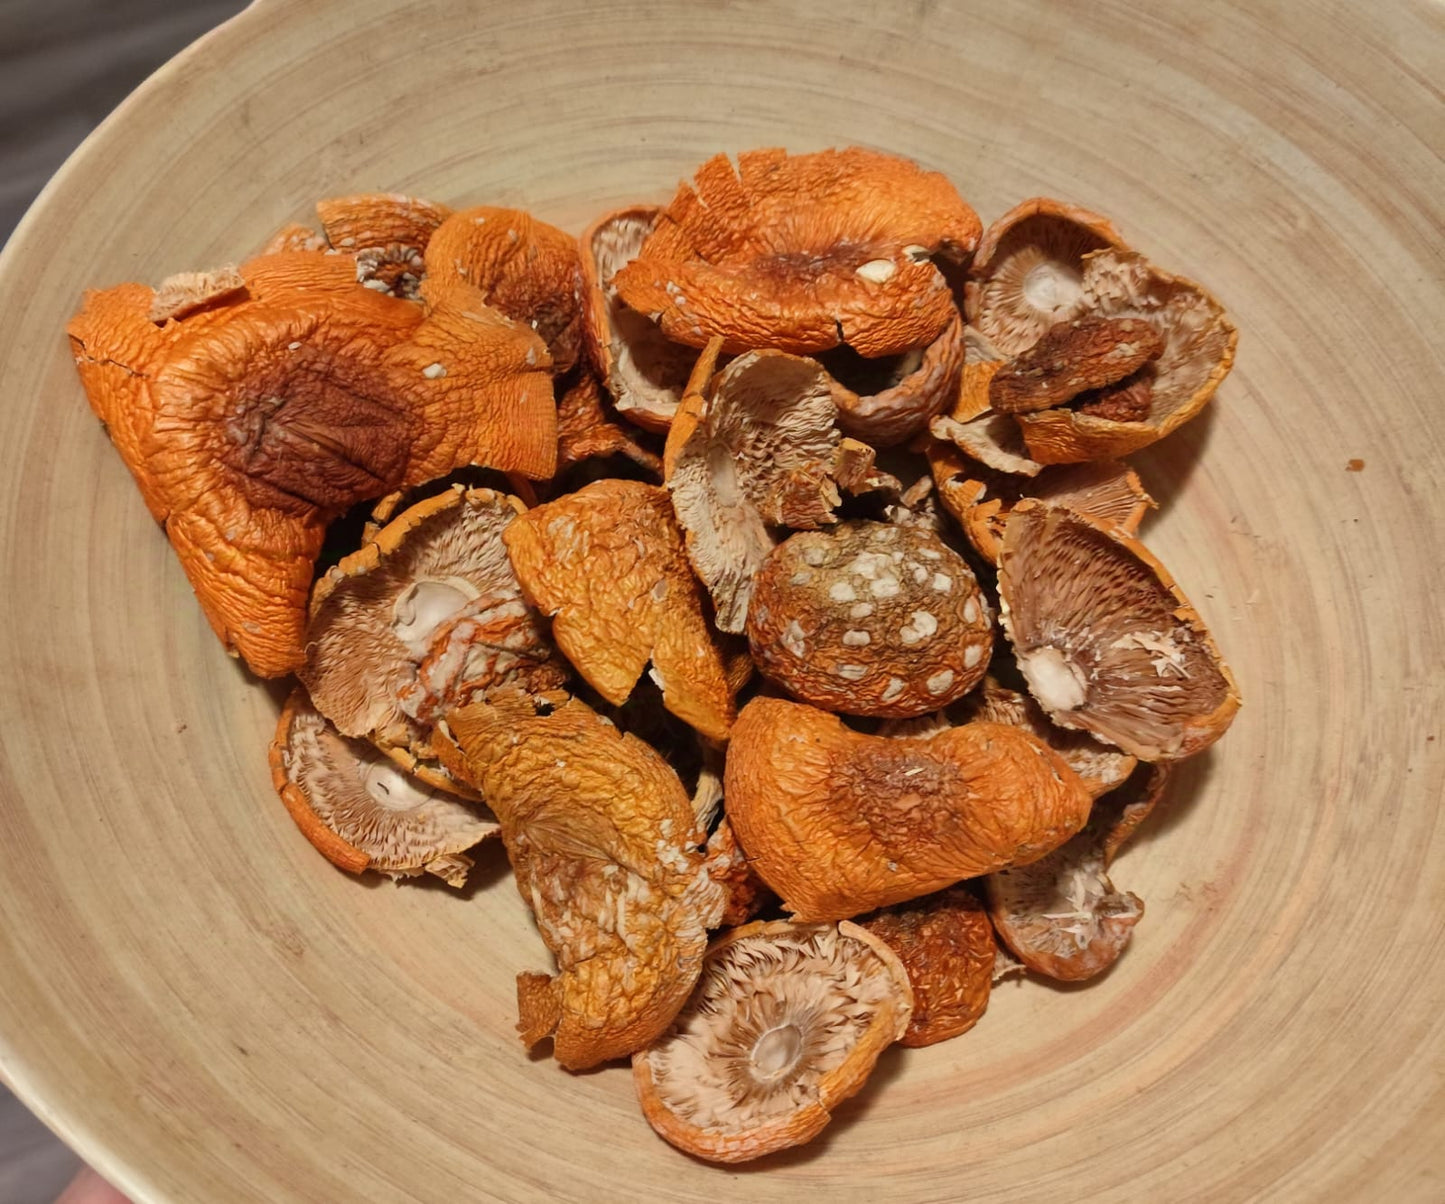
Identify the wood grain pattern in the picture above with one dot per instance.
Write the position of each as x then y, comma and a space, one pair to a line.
209, 1012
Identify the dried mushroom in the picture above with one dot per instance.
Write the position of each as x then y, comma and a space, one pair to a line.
386, 233
1062, 915
839, 823
754, 453
585, 432
643, 369
869, 619
361, 811
747, 894
425, 618
1106, 640
524, 268
1071, 360
803, 253
1027, 274
945, 942
607, 565
786, 1023
600, 834
992, 439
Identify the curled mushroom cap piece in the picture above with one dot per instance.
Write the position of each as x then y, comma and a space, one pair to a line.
585, 432
1198, 352
387, 234
870, 619
1028, 272
803, 253
1106, 640
945, 942
361, 811
600, 834
426, 617
525, 268
752, 453
607, 565
1062, 915
839, 823
643, 369
787, 1021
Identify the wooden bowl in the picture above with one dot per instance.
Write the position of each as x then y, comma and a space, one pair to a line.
207, 1011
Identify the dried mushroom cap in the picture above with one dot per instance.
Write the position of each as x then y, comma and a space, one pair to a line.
1073, 359
361, 811
747, 894
387, 235
870, 619
1062, 915
607, 565
888, 401
585, 432
1028, 272
524, 268
755, 456
643, 369
423, 619
991, 439
803, 253
1199, 342
839, 823
787, 1021
600, 834
1106, 640
945, 942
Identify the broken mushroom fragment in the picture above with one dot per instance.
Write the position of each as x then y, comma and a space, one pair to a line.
361, 811
747, 894
643, 369
803, 253
1073, 358
787, 1021
870, 619
991, 439
945, 942
601, 837
585, 432
1106, 640
386, 233
839, 823
607, 565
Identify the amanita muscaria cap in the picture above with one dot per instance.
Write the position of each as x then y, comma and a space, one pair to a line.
803, 253
251, 422
1106, 640
786, 1023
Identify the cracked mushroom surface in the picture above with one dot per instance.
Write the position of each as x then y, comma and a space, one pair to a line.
870, 619
839, 823
607, 565
787, 1021
361, 811
803, 253
425, 618
755, 453
1105, 639
602, 840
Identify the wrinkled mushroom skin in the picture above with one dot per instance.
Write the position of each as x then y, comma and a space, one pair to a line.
600, 834
1106, 640
386, 234
747, 894
839, 823
803, 253
585, 432
787, 1022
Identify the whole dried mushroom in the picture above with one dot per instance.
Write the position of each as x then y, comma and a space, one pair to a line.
1106, 640
787, 1022
601, 837
839, 823
870, 619
361, 811
803, 253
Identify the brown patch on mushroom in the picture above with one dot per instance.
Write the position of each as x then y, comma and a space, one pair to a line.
840, 823
1106, 640
360, 811
803, 253
607, 565
1082, 355
945, 942
585, 432
787, 1021
754, 454
747, 894
870, 619
386, 233
601, 838
1199, 342
643, 369
526, 269
1028, 272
